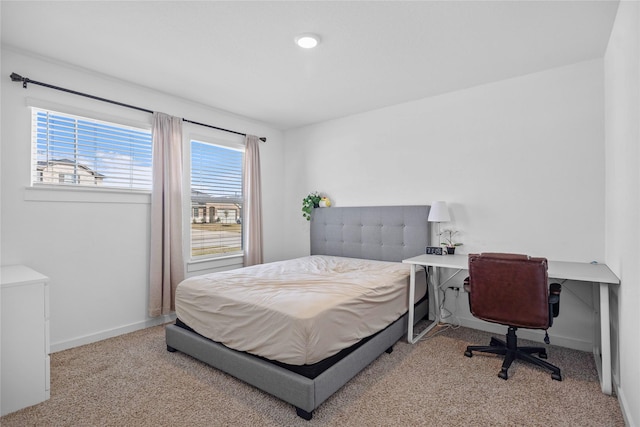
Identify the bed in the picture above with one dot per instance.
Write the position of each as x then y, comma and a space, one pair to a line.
345, 243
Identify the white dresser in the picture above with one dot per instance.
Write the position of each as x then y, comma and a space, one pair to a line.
24, 361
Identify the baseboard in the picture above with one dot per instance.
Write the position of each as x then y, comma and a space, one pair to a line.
88, 339
625, 406
528, 334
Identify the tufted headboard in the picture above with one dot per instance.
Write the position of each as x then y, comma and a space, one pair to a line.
384, 233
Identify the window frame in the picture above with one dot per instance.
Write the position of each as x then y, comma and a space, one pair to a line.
78, 193
75, 184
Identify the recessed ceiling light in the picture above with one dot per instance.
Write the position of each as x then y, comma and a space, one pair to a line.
307, 40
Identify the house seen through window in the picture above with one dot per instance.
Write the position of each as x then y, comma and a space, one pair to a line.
216, 200
73, 150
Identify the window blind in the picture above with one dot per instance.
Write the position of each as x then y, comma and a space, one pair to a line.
74, 150
216, 199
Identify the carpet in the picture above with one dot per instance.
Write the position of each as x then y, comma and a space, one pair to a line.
131, 380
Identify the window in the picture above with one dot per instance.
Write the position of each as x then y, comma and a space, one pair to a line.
77, 151
68, 178
216, 199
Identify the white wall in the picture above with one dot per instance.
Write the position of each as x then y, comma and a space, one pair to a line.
96, 251
520, 163
622, 113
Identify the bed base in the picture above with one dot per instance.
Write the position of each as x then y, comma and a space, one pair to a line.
304, 393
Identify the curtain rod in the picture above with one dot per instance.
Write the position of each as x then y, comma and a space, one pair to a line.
25, 80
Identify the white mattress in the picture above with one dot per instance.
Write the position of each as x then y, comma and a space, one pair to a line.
298, 311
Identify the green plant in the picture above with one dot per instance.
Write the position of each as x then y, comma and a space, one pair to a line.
447, 236
310, 202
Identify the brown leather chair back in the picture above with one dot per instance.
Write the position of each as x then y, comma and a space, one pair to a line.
509, 289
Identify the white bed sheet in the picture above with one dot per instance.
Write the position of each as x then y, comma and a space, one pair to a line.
298, 311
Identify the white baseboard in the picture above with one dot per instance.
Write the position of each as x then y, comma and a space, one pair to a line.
625, 406
88, 339
528, 334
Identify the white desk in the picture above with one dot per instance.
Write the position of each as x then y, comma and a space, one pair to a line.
599, 275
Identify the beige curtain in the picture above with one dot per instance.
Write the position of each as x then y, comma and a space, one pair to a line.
166, 263
252, 202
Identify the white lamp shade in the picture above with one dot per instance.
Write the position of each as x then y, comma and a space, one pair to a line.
439, 212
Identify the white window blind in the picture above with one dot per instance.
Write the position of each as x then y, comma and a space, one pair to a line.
216, 200
78, 151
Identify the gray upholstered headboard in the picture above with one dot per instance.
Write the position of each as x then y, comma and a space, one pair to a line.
384, 233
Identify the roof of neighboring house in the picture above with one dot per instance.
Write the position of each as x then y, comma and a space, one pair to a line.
43, 164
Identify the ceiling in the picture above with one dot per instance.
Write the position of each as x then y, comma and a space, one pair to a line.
240, 56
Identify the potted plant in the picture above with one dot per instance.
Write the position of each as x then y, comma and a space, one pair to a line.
325, 202
308, 203
447, 236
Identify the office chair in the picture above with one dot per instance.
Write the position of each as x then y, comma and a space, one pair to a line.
512, 290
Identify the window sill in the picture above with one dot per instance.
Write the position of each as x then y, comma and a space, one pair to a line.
55, 193
211, 265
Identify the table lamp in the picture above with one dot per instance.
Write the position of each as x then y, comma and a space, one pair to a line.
439, 213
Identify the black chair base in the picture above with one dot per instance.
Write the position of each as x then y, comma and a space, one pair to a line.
511, 351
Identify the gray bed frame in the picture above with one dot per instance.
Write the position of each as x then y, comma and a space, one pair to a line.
386, 233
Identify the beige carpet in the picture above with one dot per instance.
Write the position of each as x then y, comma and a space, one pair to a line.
132, 380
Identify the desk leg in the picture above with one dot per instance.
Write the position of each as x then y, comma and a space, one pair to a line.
436, 304
605, 340
412, 297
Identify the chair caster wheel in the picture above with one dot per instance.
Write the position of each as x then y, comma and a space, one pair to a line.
468, 353
542, 355
503, 375
494, 343
556, 377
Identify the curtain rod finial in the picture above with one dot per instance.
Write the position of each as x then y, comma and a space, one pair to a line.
18, 78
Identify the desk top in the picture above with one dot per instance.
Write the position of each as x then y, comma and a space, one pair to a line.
582, 271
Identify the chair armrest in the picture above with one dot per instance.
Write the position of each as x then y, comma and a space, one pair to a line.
466, 285
554, 298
